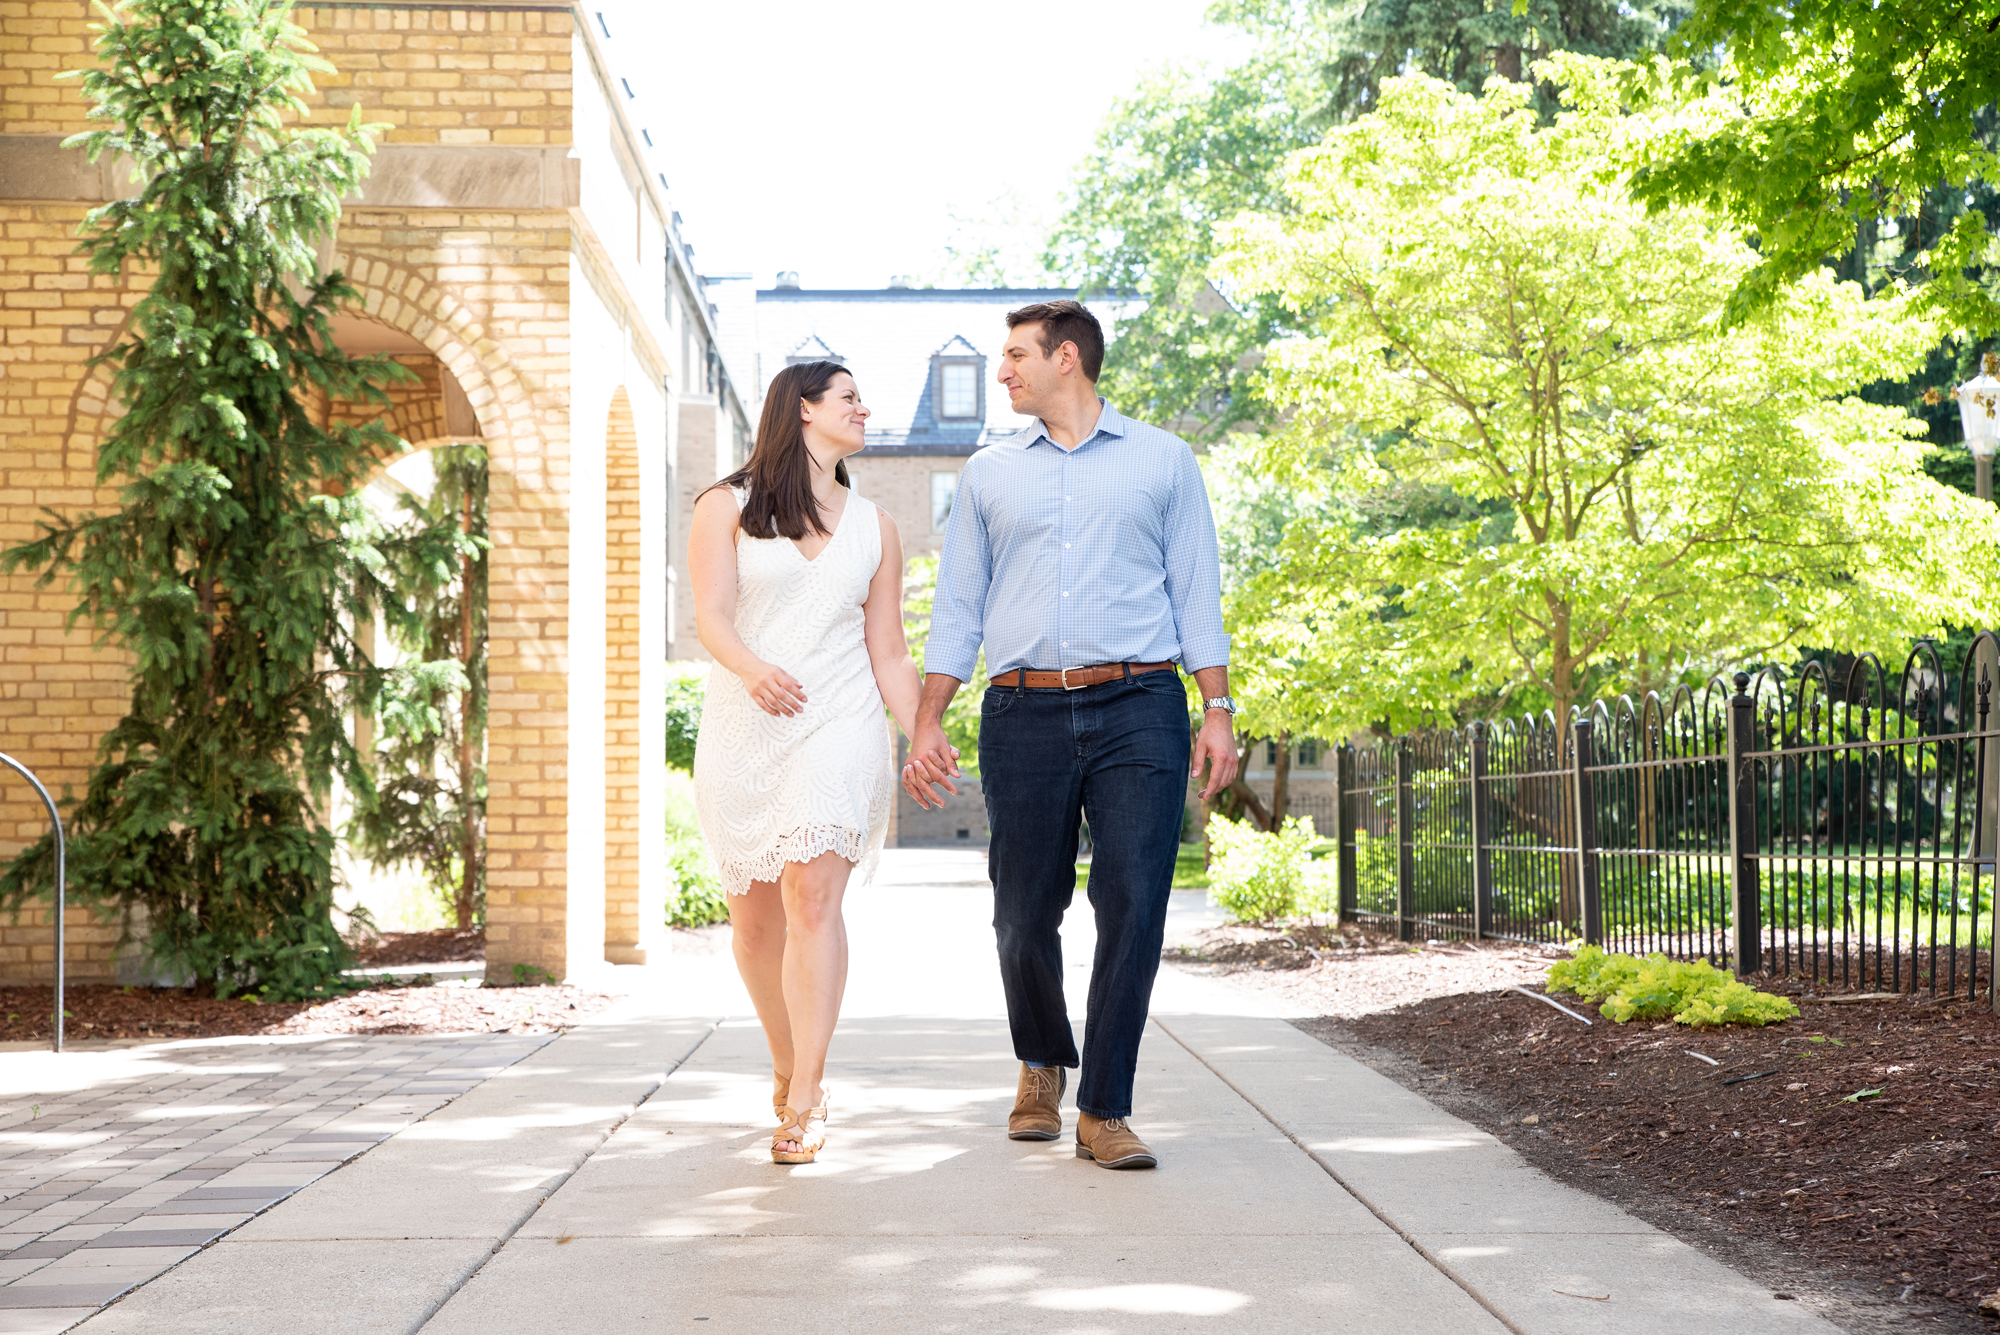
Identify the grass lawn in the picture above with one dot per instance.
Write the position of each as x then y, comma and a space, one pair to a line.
1189, 873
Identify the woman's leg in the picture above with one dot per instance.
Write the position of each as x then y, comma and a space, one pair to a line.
815, 972
757, 936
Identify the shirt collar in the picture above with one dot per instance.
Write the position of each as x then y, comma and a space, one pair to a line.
1110, 422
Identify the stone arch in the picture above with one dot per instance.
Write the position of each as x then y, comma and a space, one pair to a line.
400, 297
622, 550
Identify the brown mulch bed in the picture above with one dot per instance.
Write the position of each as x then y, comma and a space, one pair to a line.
1891, 1202
100, 1012
445, 945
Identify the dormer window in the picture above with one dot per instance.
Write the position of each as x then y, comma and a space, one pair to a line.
958, 377
813, 349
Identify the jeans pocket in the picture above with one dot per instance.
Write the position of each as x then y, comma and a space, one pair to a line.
997, 701
1165, 682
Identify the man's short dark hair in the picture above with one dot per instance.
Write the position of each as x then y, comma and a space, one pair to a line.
1063, 322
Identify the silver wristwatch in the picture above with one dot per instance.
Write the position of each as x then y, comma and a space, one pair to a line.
1219, 702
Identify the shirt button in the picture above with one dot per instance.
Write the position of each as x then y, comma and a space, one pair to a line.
1065, 546
1065, 593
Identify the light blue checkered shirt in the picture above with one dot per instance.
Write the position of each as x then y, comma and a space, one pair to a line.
1064, 558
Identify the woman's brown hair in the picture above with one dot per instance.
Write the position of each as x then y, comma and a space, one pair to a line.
778, 475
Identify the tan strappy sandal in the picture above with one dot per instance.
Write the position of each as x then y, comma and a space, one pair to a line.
781, 1092
807, 1129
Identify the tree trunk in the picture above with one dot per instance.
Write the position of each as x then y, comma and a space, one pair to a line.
468, 883
1251, 805
1281, 783
1247, 801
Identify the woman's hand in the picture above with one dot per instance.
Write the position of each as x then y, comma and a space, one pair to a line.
774, 690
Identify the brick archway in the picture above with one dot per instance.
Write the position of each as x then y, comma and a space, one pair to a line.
523, 425
401, 298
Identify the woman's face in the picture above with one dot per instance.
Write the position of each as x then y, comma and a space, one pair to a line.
838, 422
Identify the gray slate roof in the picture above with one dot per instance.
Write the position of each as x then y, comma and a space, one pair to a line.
887, 338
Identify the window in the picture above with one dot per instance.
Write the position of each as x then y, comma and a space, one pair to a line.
1271, 751
1309, 753
959, 385
944, 486
957, 372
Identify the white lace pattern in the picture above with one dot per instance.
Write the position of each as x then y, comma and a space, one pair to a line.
771, 790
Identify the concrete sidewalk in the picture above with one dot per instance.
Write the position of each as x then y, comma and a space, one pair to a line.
618, 1180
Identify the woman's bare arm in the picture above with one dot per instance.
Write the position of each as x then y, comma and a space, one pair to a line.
888, 652
712, 571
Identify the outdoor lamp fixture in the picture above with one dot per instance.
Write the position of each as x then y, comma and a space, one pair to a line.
1978, 401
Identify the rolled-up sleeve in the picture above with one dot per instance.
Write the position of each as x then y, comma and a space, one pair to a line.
1194, 570
965, 572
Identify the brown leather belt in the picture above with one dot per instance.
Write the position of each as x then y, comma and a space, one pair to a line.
1074, 679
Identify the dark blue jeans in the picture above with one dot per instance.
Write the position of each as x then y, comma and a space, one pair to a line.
1117, 756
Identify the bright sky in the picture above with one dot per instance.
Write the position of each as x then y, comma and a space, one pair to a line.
840, 140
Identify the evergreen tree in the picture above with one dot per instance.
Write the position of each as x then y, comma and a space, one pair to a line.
241, 552
430, 757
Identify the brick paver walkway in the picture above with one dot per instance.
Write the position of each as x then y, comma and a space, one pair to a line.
170, 1146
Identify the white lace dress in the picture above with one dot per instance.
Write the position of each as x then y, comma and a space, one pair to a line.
771, 790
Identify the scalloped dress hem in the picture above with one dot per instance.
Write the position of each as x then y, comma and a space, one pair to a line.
802, 845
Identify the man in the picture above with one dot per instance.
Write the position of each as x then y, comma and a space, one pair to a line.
1082, 552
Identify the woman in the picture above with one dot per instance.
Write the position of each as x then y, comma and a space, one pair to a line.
798, 587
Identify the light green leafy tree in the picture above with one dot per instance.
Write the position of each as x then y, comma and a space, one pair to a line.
961, 717
1253, 511
1179, 155
1189, 149
997, 244
1493, 317
241, 553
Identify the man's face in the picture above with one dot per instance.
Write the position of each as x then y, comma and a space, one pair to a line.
1030, 376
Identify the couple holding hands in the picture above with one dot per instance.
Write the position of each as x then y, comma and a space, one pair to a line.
1081, 552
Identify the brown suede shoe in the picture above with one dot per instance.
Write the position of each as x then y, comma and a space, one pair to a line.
1037, 1111
1111, 1143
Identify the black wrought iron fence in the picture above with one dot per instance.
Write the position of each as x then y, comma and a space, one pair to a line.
1842, 831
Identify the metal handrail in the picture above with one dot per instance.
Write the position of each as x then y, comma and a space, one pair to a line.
55, 823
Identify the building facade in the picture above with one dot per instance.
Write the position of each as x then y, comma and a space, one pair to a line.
515, 250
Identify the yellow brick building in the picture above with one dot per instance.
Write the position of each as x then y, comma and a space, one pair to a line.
514, 251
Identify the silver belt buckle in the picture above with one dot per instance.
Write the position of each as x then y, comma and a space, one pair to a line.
1064, 673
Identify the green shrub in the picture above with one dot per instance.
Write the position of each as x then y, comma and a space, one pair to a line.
1254, 876
1695, 993
687, 687
698, 901
696, 898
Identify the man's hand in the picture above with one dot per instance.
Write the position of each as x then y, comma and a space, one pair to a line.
1215, 746
933, 760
